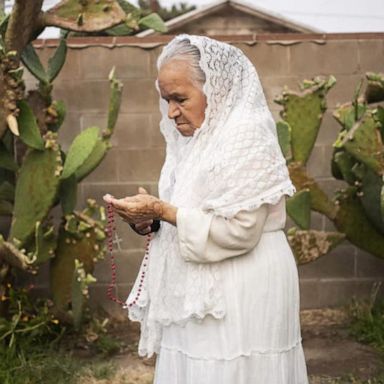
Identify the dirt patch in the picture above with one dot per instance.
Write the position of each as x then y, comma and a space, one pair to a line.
331, 353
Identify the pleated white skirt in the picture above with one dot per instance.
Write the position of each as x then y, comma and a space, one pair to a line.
258, 341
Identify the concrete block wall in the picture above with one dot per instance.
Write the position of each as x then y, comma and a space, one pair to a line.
138, 147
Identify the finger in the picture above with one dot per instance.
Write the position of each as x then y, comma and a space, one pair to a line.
143, 191
119, 204
143, 225
108, 198
144, 231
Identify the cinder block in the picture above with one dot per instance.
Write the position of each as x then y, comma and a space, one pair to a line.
107, 169
344, 89
140, 165
317, 221
154, 53
132, 130
83, 96
70, 69
127, 267
139, 96
371, 55
70, 129
273, 87
329, 129
330, 186
309, 294
268, 59
124, 290
329, 225
313, 59
92, 119
340, 262
344, 291
317, 165
129, 62
129, 239
368, 265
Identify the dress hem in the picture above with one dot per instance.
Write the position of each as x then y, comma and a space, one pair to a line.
239, 355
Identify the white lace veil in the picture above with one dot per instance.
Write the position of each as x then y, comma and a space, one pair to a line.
233, 162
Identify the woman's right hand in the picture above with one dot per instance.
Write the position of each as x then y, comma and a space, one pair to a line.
142, 228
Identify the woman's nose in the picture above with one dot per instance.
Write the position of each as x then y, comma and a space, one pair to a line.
173, 110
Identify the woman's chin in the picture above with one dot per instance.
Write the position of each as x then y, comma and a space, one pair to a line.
185, 129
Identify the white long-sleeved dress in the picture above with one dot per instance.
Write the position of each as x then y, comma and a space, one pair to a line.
259, 340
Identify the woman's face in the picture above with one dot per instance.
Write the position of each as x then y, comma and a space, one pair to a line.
186, 101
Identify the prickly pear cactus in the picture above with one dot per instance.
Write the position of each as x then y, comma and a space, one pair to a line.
303, 113
358, 158
81, 239
36, 175
36, 189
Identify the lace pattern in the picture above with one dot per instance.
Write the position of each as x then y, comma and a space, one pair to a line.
232, 162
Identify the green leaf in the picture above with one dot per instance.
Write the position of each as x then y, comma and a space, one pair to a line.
114, 101
6, 159
284, 136
153, 21
299, 208
345, 162
28, 128
4, 25
80, 150
36, 190
56, 62
68, 194
93, 160
33, 63
126, 6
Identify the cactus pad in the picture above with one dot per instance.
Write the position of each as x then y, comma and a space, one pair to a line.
80, 150
303, 112
320, 202
299, 208
93, 160
284, 136
36, 189
28, 128
375, 89
86, 16
364, 143
352, 220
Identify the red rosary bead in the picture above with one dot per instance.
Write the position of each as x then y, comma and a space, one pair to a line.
109, 230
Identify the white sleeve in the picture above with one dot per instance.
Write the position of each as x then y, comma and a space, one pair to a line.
206, 238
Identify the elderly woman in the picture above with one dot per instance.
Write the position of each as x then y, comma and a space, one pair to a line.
217, 293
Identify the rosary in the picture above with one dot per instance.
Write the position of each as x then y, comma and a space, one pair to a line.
111, 227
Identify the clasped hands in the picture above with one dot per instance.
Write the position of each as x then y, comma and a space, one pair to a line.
142, 209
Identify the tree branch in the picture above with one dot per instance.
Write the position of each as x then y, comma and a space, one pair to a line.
23, 24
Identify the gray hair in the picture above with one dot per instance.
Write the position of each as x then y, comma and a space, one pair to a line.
184, 50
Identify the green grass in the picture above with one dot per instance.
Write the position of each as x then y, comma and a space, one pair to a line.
367, 321
37, 366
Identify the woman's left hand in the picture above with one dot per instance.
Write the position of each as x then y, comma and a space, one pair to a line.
139, 208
